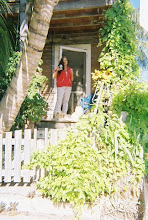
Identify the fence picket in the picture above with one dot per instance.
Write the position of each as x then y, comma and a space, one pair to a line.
35, 140
46, 136
17, 156
8, 155
27, 153
62, 133
53, 136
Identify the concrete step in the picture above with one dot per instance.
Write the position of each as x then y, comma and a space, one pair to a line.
57, 123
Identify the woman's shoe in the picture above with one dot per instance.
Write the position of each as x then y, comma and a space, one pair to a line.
56, 116
63, 115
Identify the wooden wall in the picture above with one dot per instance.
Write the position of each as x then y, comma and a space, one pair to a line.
47, 60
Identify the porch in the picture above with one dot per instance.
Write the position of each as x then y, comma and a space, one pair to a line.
74, 33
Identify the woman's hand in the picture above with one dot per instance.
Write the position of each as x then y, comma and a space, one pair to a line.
55, 73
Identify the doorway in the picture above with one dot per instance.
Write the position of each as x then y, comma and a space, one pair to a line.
79, 57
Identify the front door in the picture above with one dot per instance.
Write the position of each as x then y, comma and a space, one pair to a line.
79, 61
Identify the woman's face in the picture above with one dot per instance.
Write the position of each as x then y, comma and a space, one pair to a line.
65, 61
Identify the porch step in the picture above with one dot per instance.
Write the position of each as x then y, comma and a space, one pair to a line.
56, 123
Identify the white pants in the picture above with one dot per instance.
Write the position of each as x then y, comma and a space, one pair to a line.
63, 95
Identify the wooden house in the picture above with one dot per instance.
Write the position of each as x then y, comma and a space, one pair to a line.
73, 32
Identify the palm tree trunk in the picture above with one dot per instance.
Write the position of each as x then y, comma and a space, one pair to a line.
31, 55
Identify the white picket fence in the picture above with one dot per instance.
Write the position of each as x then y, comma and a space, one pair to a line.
16, 150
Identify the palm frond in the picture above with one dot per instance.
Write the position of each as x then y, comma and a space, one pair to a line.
5, 35
4, 8
5, 44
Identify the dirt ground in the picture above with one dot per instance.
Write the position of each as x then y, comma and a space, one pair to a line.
25, 203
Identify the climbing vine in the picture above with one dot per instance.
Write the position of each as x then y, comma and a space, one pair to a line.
119, 41
118, 60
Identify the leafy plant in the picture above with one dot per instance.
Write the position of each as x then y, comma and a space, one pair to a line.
7, 34
119, 57
78, 172
31, 194
34, 106
118, 38
133, 98
7, 75
13, 206
2, 206
5, 39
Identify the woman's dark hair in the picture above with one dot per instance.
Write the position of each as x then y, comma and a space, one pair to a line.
62, 63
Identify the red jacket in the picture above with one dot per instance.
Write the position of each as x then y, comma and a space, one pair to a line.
64, 78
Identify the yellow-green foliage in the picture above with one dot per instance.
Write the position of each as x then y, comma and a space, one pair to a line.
118, 36
78, 172
133, 98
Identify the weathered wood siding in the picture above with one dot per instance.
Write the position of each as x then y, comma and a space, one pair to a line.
47, 59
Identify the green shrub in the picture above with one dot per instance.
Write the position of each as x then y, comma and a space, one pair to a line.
7, 75
34, 106
78, 172
133, 98
119, 41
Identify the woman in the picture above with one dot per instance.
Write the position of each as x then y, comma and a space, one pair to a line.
64, 76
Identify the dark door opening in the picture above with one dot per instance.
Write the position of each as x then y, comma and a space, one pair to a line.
77, 61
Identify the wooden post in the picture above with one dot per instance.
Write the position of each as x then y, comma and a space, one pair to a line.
27, 153
46, 137
23, 23
53, 136
8, 155
17, 156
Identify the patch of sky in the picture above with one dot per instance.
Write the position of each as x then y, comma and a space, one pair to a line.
144, 72
135, 3
144, 75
